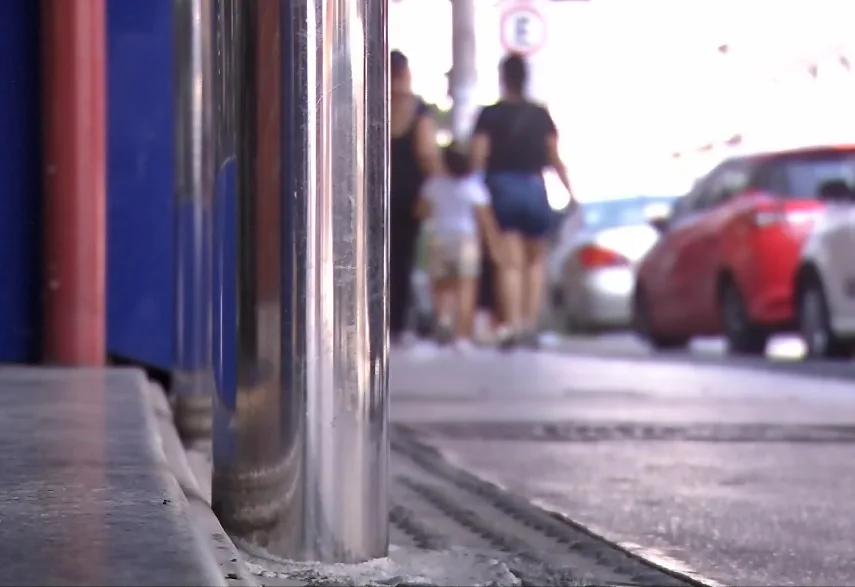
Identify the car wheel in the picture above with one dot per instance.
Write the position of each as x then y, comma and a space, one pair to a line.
568, 318
642, 325
815, 325
743, 336
557, 318
573, 325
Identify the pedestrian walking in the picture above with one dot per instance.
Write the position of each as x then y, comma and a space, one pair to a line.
514, 141
459, 210
414, 156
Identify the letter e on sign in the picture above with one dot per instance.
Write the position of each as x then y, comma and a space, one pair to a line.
523, 29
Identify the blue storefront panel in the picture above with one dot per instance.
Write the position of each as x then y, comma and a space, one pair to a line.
20, 182
140, 163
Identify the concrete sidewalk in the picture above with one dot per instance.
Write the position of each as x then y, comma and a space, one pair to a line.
98, 490
87, 496
451, 528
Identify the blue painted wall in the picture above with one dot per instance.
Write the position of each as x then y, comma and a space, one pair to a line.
20, 182
139, 181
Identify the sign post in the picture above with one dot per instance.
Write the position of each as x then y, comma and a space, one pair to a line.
463, 77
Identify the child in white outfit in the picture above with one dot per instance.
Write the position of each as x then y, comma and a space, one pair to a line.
458, 206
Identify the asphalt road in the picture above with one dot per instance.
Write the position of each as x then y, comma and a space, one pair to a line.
784, 354
741, 472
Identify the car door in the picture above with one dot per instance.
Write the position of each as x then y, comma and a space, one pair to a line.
702, 249
571, 225
839, 244
669, 279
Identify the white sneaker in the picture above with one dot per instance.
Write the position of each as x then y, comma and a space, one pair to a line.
505, 337
423, 349
463, 345
444, 330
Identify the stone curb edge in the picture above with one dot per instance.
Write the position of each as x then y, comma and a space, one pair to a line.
225, 559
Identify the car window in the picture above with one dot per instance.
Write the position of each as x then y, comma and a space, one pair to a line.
801, 175
623, 212
697, 199
724, 183
770, 177
687, 204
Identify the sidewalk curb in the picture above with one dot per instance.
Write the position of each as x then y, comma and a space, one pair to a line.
222, 554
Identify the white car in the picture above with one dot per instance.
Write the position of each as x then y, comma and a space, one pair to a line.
591, 265
825, 281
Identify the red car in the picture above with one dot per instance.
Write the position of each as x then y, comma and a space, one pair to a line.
728, 253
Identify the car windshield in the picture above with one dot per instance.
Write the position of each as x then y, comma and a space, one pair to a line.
625, 211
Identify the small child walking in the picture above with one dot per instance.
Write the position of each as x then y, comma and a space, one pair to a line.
458, 207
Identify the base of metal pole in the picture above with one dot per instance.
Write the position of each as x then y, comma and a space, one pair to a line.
193, 406
254, 504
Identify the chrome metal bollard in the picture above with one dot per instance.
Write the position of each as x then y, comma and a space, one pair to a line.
301, 254
192, 376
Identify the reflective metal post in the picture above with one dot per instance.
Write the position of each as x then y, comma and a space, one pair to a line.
192, 376
300, 424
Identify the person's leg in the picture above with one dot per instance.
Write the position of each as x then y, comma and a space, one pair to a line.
467, 287
487, 308
511, 279
495, 319
397, 292
443, 290
509, 209
536, 227
533, 282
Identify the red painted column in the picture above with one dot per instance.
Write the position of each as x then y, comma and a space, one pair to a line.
74, 168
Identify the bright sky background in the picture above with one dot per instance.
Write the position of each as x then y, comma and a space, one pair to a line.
629, 82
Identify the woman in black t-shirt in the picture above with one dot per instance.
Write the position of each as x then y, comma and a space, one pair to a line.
513, 142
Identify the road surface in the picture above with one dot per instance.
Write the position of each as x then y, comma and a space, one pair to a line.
742, 472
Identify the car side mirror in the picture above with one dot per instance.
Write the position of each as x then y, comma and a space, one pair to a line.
660, 224
658, 215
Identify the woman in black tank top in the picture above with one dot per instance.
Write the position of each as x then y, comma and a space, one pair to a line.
414, 156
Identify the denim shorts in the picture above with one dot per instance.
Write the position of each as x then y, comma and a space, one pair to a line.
520, 203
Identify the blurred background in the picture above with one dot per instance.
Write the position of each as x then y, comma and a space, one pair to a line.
691, 391
632, 84
649, 97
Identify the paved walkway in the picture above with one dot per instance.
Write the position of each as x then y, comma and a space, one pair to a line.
98, 490
86, 495
740, 474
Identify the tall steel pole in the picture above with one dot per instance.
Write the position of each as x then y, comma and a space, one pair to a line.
301, 412
192, 377
464, 70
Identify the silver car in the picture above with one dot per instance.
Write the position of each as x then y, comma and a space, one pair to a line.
591, 265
